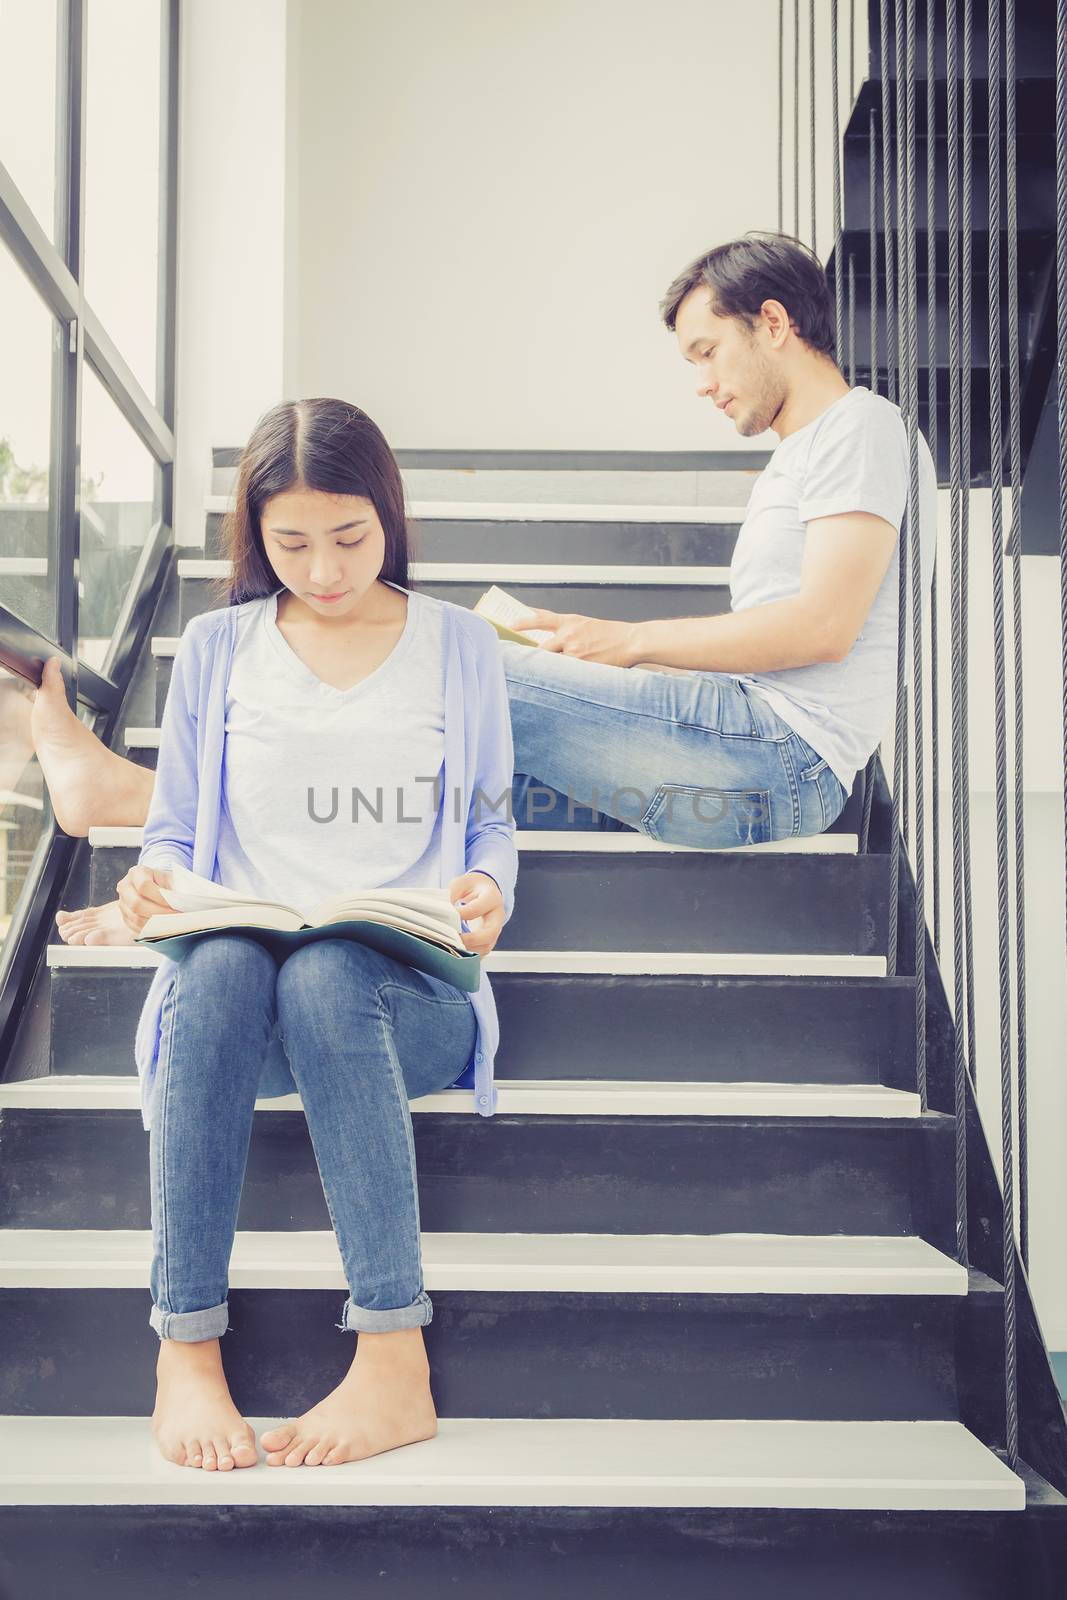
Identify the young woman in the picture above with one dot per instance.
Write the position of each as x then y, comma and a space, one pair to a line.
325, 674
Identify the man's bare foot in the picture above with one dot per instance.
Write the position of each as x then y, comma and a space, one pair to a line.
94, 925
195, 1422
90, 786
382, 1402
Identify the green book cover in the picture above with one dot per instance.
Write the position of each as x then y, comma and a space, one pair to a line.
462, 970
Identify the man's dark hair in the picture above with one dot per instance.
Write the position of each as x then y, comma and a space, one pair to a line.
762, 266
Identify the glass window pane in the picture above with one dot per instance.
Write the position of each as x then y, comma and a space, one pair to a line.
122, 112
24, 811
120, 501
27, 329
28, 65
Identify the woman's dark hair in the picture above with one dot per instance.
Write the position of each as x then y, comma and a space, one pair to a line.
762, 266
318, 444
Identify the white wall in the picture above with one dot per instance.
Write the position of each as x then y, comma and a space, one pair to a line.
492, 200
231, 234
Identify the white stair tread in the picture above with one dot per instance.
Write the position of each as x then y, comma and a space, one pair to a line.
534, 1462
534, 511
621, 962
510, 572
574, 842
563, 1097
602, 1263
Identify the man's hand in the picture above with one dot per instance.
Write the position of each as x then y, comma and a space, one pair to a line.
476, 894
588, 638
139, 896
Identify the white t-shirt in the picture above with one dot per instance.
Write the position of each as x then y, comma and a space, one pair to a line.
852, 457
296, 748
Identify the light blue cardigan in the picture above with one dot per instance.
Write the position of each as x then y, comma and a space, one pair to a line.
183, 818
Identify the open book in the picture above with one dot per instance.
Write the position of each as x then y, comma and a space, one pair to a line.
501, 609
418, 926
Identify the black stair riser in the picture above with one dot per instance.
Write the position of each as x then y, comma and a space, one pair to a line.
1035, 87
101, 1552
506, 1174
82, 1352
1036, 160
1035, 250
713, 901
720, 1029
979, 362
557, 544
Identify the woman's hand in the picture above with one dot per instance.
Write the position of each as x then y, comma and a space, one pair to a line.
476, 894
139, 896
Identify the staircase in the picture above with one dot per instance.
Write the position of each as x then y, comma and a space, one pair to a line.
1035, 311
699, 1322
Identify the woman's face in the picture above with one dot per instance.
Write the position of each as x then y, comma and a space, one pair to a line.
323, 546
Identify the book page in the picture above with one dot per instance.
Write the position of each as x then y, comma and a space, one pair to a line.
191, 892
167, 924
499, 606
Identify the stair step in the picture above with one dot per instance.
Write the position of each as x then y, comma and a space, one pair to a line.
507, 511
616, 962
571, 842
507, 574
535, 1462
738, 1263
531, 1097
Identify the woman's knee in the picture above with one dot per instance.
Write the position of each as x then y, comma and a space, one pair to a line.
228, 962
322, 966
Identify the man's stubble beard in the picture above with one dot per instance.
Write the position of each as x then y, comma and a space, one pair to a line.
769, 396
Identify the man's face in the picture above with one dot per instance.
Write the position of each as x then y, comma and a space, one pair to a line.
735, 366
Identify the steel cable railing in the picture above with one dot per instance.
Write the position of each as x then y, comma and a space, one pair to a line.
912, 558
951, 390
1015, 446
996, 435
961, 733
932, 441
955, 434
1061, 348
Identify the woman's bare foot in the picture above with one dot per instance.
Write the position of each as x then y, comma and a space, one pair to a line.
89, 785
94, 925
382, 1402
195, 1422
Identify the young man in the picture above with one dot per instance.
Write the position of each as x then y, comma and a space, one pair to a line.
772, 708
793, 688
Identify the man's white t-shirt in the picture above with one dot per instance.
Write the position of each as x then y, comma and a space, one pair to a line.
851, 457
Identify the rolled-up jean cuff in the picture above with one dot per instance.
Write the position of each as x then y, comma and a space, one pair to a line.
357, 1319
189, 1326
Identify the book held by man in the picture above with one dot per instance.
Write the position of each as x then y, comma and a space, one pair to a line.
419, 926
502, 609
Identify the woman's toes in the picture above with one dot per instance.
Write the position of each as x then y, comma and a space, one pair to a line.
276, 1441
296, 1453
244, 1453
193, 1454
316, 1453
223, 1455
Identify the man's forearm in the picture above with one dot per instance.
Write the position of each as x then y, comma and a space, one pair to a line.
767, 638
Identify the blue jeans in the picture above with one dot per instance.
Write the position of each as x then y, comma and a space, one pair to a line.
363, 1033
693, 761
